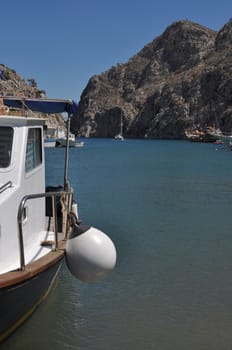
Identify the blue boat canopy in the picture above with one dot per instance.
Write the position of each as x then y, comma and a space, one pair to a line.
41, 105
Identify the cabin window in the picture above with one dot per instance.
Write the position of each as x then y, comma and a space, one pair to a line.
6, 141
34, 149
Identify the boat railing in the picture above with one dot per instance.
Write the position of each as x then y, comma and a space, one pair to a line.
5, 186
65, 197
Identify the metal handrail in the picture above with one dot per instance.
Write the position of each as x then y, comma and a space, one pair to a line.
23, 202
5, 186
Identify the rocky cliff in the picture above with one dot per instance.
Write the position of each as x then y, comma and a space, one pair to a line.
12, 84
181, 80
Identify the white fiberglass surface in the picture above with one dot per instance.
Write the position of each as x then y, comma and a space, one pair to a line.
32, 253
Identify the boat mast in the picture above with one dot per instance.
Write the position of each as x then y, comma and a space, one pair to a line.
121, 126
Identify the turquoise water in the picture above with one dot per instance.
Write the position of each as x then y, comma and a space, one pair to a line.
167, 206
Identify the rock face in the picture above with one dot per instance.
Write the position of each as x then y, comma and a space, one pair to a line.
12, 84
182, 79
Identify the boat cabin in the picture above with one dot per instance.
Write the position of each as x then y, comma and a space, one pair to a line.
22, 172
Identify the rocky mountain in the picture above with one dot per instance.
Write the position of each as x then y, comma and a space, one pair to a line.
12, 84
181, 80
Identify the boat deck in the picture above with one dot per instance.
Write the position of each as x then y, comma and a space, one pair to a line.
33, 268
45, 243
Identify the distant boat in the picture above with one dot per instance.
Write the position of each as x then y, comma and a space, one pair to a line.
201, 135
219, 142
223, 138
49, 143
79, 144
226, 139
59, 140
120, 135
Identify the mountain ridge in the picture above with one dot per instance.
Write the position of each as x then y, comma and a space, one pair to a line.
178, 81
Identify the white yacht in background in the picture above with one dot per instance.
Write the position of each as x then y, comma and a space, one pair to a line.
120, 135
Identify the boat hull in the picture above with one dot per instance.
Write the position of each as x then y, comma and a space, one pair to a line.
20, 299
49, 143
62, 143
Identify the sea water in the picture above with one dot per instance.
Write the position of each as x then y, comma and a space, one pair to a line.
167, 207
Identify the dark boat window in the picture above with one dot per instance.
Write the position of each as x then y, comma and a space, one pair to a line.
6, 141
34, 149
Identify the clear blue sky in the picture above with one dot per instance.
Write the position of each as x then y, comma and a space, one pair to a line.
62, 43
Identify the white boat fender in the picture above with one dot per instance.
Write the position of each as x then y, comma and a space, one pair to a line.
90, 253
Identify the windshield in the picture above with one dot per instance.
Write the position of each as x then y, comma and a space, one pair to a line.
6, 140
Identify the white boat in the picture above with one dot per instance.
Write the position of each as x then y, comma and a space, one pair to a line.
79, 143
38, 228
60, 140
120, 135
226, 139
49, 143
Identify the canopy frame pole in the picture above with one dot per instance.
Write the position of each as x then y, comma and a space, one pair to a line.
66, 183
